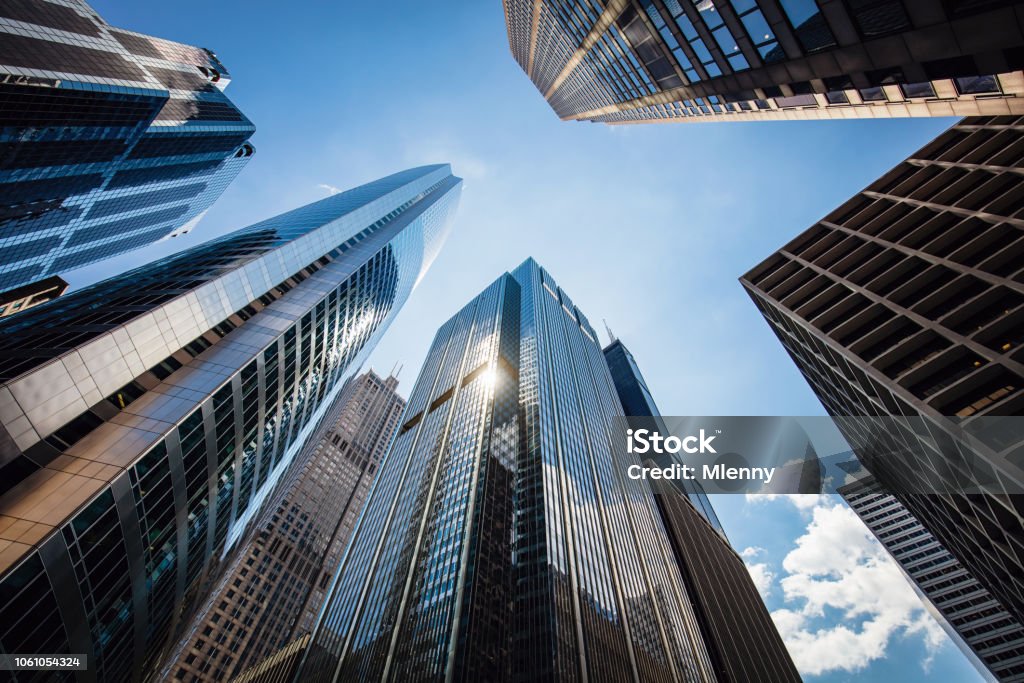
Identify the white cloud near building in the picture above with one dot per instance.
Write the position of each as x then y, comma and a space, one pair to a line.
845, 599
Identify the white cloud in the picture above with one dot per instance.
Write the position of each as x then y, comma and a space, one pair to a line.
331, 189
752, 552
762, 576
802, 501
846, 599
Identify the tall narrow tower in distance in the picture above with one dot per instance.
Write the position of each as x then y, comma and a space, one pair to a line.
277, 583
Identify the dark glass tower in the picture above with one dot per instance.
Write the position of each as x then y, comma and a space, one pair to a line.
144, 420
109, 140
499, 541
741, 639
627, 61
989, 636
637, 402
278, 582
908, 301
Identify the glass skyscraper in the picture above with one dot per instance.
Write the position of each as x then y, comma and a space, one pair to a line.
742, 641
277, 584
637, 402
109, 139
499, 541
144, 419
906, 303
629, 61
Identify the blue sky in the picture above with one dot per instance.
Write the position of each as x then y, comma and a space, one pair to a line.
646, 226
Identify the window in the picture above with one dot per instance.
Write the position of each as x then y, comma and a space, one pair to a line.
916, 90
879, 17
873, 94
808, 23
976, 85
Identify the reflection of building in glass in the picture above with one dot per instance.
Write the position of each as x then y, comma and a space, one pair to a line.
990, 637
741, 639
626, 61
499, 541
277, 584
28, 296
110, 139
143, 420
908, 301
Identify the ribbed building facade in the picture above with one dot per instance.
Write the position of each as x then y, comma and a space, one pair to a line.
634, 61
276, 586
109, 139
908, 301
143, 420
742, 642
990, 637
500, 542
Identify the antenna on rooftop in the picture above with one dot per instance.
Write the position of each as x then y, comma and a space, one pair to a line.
611, 335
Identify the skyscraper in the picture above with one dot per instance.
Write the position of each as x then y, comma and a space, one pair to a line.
499, 541
637, 402
989, 636
906, 302
628, 61
277, 584
742, 641
110, 139
144, 419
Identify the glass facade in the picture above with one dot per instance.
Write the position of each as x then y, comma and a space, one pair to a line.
498, 542
907, 301
700, 60
741, 639
109, 140
637, 402
191, 385
276, 585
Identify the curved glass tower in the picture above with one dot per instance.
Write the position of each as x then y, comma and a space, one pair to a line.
144, 419
499, 542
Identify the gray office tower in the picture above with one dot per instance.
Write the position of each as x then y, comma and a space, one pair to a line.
500, 542
908, 302
109, 139
991, 638
741, 639
277, 583
645, 61
144, 419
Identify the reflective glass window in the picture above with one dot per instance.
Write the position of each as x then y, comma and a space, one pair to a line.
974, 85
872, 94
808, 24
914, 90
